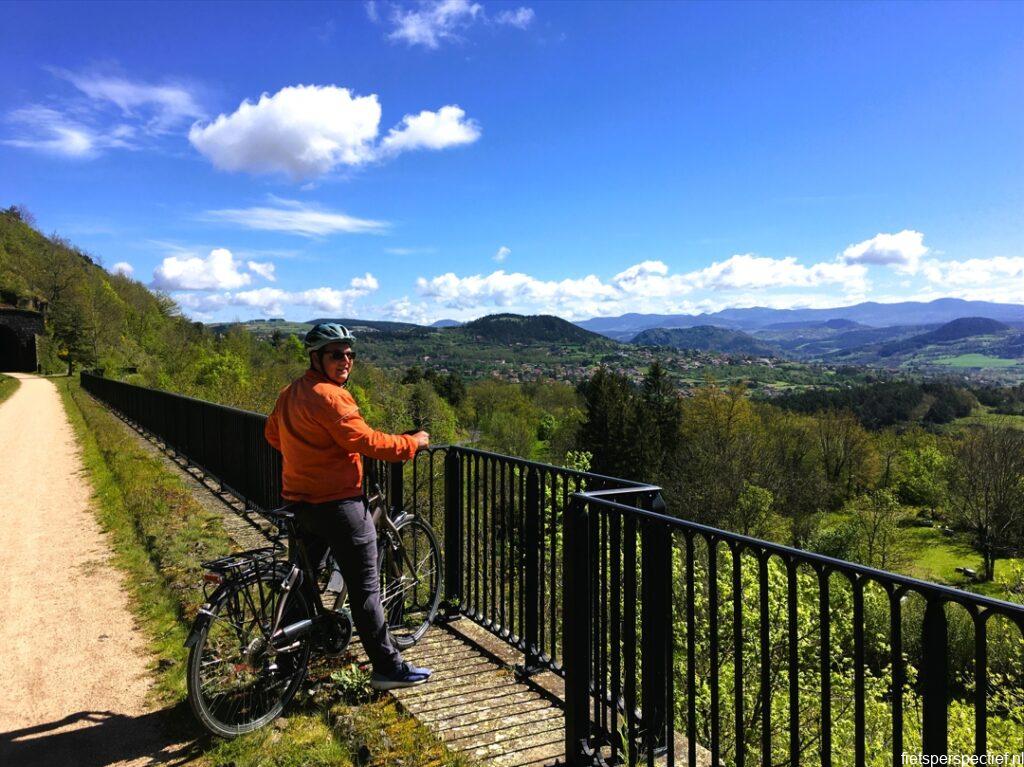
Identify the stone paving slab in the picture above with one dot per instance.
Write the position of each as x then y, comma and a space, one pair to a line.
474, 703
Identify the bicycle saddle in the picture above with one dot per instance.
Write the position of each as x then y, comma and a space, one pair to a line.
282, 514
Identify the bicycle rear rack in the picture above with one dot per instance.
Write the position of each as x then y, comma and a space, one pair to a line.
242, 564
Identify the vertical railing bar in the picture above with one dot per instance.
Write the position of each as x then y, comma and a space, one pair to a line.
934, 670
716, 738
766, 691
576, 534
597, 520
794, 670
859, 744
980, 683
691, 691
477, 608
825, 617
616, 661
896, 661
629, 577
553, 602
669, 702
602, 622
502, 500
737, 640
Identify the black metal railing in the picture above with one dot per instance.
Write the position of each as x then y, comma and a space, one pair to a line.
676, 640
766, 654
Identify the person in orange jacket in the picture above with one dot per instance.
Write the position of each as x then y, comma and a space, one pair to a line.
317, 428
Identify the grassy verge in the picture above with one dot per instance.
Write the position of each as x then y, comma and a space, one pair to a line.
7, 386
159, 534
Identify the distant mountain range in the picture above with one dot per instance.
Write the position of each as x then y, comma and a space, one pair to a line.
870, 313
931, 337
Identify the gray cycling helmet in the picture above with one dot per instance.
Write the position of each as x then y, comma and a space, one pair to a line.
327, 333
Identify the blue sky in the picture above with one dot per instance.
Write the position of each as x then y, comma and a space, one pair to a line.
429, 160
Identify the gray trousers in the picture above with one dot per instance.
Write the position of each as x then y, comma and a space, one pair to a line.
347, 527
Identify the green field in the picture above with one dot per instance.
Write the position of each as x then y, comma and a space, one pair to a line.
976, 361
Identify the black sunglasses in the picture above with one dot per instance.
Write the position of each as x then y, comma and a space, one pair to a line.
337, 356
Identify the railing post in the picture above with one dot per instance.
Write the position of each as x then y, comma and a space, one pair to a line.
576, 638
396, 486
531, 585
934, 671
656, 616
452, 532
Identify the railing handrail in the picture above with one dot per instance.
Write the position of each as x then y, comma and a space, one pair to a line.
540, 465
206, 402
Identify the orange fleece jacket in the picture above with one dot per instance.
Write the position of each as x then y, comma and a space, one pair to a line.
318, 430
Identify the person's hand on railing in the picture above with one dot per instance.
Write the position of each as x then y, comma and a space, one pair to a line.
422, 439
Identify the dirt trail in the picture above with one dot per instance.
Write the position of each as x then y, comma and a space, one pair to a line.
72, 661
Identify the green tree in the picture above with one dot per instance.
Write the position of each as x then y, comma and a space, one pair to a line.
986, 489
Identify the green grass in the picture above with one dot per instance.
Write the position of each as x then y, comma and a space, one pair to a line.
984, 417
7, 386
160, 534
935, 556
975, 361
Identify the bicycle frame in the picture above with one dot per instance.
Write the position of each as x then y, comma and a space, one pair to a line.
305, 572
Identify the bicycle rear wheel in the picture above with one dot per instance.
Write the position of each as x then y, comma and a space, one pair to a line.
237, 682
410, 581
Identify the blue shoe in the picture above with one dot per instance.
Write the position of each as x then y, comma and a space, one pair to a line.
406, 675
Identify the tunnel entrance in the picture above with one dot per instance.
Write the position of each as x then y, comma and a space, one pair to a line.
18, 330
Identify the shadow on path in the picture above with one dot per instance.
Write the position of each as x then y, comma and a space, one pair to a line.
100, 738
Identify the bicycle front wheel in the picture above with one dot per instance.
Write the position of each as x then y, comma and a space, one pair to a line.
237, 681
410, 581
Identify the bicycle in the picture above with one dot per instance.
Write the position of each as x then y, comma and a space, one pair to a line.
252, 639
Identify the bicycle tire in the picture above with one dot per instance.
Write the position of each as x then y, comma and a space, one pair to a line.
410, 606
263, 684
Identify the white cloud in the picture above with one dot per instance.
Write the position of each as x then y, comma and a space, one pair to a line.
501, 289
975, 271
502, 254
999, 279
404, 310
409, 251
304, 131
271, 301
647, 285
750, 271
296, 218
431, 130
367, 283
903, 251
52, 132
161, 106
124, 268
520, 18
85, 125
433, 21
218, 271
264, 269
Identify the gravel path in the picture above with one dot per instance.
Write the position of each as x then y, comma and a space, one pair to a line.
72, 662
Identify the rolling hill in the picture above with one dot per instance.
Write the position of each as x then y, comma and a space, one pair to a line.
706, 338
520, 329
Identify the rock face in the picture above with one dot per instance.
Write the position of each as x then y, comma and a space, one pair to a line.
18, 331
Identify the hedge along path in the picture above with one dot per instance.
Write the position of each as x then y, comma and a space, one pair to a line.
73, 662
